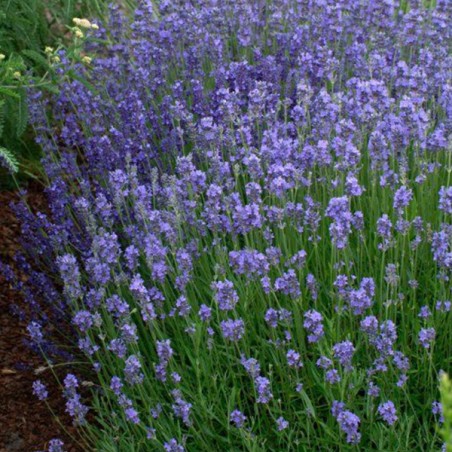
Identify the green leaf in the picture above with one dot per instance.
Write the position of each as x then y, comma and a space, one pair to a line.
2, 116
51, 88
36, 57
22, 116
8, 159
9, 92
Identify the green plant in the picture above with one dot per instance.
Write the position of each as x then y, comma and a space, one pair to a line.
27, 30
446, 401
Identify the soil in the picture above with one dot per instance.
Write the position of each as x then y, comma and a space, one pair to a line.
26, 424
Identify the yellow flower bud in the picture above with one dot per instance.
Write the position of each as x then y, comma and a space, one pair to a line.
2, 56
78, 33
17, 75
95, 26
84, 23
87, 59
49, 49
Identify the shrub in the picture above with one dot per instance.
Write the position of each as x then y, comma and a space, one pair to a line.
250, 227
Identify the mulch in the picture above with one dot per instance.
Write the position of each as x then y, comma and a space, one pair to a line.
26, 424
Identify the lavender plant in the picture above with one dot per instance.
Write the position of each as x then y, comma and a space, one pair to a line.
250, 227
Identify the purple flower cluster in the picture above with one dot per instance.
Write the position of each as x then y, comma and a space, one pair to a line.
238, 418
225, 295
313, 323
348, 422
247, 178
233, 330
388, 412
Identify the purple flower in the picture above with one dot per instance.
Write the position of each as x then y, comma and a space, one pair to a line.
437, 410
312, 285
426, 337
117, 306
181, 408
401, 361
116, 385
225, 295
384, 342
56, 445
337, 408
237, 418
205, 313
70, 384
352, 186
156, 411
183, 306
118, 347
370, 325
424, 312
132, 415
313, 323
83, 320
349, 424
361, 299
263, 387
233, 330
282, 424
294, 359
173, 446
373, 390
76, 409
443, 306
388, 412
40, 390
338, 210
402, 198
129, 333
164, 350
441, 248
151, 433
132, 370
70, 273
251, 365
343, 352
332, 376
250, 263
35, 331
445, 199
324, 363
288, 284
272, 317
298, 259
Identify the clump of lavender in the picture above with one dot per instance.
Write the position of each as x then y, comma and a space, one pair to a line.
240, 214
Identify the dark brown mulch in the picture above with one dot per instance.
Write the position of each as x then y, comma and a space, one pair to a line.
26, 424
